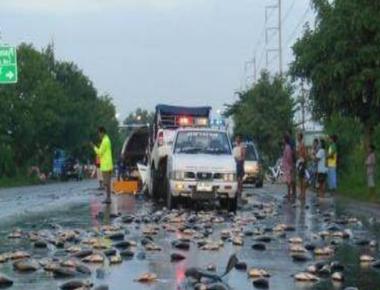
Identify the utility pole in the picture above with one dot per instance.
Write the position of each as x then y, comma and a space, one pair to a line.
254, 70
280, 36
276, 28
303, 105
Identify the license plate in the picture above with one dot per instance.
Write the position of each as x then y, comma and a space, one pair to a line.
204, 187
203, 195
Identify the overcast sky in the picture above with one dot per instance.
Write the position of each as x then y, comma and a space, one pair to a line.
144, 52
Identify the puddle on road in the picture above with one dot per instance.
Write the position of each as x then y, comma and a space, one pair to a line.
276, 259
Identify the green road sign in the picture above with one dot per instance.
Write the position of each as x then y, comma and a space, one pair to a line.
8, 65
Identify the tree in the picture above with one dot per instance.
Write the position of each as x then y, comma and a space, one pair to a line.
53, 105
140, 116
265, 112
340, 60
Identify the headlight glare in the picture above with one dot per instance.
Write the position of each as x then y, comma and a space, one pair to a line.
178, 175
229, 177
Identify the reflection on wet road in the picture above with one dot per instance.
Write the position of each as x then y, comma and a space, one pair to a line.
78, 206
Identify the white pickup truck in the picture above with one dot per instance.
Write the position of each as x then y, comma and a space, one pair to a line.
167, 120
201, 166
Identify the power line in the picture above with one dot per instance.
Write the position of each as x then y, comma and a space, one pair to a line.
268, 52
300, 22
259, 39
287, 13
261, 58
273, 59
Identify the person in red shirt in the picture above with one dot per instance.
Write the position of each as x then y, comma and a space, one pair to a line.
301, 165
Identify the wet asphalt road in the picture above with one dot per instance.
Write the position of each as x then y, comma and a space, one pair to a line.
78, 205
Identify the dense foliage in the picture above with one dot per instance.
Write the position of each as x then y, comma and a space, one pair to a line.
140, 116
53, 105
340, 60
264, 113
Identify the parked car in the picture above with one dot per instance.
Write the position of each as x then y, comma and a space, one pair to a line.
253, 168
72, 170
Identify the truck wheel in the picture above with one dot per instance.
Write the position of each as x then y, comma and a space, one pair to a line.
232, 204
162, 184
259, 183
155, 184
171, 201
224, 203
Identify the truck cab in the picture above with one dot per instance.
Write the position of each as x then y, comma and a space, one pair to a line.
167, 120
201, 167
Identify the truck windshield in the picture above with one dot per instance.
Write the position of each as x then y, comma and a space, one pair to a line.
193, 142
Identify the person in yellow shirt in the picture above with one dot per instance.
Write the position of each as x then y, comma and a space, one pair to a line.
332, 160
104, 152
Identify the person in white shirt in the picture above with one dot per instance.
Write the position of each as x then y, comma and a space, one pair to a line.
321, 167
239, 155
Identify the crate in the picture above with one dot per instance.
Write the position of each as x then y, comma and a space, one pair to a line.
125, 187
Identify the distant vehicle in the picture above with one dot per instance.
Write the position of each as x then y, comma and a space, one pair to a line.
66, 167
253, 168
201, 167
167, 120
71, 170
58, 162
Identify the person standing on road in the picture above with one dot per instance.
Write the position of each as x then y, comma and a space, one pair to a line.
371, 169
98, 172
287, 164
239, 155
314, 163
292, 144
104, 152
332, 158
321, 168
301, 165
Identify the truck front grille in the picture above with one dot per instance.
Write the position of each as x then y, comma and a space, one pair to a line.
218, 176
204, 175
189, 175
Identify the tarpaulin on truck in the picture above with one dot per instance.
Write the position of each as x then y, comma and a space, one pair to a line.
187, 111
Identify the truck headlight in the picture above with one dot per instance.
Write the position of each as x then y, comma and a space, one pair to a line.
178, 175
229, 177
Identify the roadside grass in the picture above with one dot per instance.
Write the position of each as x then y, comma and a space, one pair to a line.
354, 186
352, 178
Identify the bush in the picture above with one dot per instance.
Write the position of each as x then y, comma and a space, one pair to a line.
7, 166
352, 180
